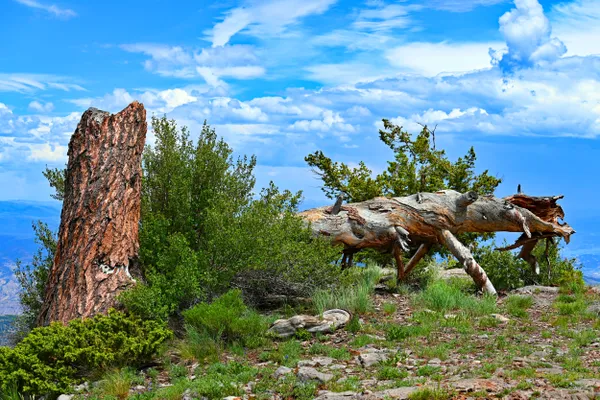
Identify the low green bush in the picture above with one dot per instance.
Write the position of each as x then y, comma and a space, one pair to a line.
225, 321
51, 359
445, 296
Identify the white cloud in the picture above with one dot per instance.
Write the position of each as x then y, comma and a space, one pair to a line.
527, 32
37, 106
385, 17
461, 5
27, 83
429, 59
47, 152
577, 24
238, 62
52, 9
264, 18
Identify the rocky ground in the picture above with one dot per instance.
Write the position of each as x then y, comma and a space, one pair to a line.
536, 343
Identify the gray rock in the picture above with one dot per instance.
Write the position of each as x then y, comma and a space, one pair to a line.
308, 374
474, 385
594, 308
316, 361
326, 395
371, 357
593, 383
534, 289
281, 371
500, 318
329, 322
398, 393
66, 396
85, 386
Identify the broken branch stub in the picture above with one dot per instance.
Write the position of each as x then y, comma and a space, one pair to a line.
424, 219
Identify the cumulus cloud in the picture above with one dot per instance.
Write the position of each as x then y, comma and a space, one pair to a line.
37, 106
264, 18
49, 8
527, 32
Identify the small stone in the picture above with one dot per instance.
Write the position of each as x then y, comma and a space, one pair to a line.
232, 398
65, 397
450, 316
435, 362
139, 388
308, 374
594, 308
85, 386
473, 385
281, 371
372, 357
500, 318
484, 336
327, 395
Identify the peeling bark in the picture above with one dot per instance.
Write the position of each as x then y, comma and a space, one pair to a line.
395, 224
98, 237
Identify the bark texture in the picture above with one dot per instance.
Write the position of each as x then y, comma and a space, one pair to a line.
421, 220
98, 237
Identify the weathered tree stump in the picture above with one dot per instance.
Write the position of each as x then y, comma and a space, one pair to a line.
98, 236
421, 220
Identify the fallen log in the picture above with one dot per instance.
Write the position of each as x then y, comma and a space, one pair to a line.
397, 224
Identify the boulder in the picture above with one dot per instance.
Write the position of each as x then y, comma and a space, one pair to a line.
329, 322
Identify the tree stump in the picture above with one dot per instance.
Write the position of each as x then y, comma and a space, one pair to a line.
98, 243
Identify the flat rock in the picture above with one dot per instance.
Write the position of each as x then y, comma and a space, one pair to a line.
281, 371
326, 395
66, 396
309, 374
329, 322
474, 385
594, 308
500, 318
316, 362
593, 383
371, 357
397, 393
453, 273
534, 289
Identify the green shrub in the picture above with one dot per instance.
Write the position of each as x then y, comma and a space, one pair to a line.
517, 305
353, 293
445, 296
51, 359
203, 231
227, 320
508, 272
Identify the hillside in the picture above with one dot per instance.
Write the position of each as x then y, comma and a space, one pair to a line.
440, 343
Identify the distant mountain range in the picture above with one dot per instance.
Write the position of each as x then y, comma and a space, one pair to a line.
17, 242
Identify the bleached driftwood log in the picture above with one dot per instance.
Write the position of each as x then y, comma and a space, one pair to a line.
421, 220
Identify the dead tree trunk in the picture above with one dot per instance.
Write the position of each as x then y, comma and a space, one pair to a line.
98, 236
424, 219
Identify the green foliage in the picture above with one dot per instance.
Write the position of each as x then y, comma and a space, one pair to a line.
202, 230
508, 272
117, 383
50, 359
225, 321
417, 167
431, 394
32, 278
445, 296
517, 305
57, 178
353, 293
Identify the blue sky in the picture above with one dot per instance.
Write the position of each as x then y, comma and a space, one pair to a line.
518, 80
